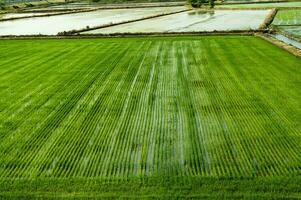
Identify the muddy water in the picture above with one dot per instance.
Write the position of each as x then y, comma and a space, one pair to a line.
54, 24
194, 21
287, 40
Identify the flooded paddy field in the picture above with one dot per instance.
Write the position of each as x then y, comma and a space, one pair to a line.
287, 40
288, 22
54, 24
262, 5
27, 14
294, 31
193, 21
104, 6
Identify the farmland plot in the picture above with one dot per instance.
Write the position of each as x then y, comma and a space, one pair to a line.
16, 15
288, 22
193, 21
263, 5
288, 17
102, 5
54, 24
212, 112
291, 30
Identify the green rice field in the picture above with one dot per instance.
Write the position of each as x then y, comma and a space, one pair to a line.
159, 117
288, 22
288, 17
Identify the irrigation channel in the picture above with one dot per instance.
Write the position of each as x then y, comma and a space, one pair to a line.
287, 40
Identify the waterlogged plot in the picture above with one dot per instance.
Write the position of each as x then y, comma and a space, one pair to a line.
263, 5
101, 5
291, 30
54, 24
288, 40
17, 15
289, 22
152, 107
192, 21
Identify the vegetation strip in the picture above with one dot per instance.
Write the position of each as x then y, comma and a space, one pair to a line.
130, 35
195, 117
119, 23
145, 188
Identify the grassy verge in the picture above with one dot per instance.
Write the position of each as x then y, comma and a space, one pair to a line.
160, 187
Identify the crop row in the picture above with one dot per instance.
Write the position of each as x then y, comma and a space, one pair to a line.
187, 106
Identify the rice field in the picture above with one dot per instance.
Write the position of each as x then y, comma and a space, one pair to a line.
28, 14
263, 5
55, 24
127, 4
294, 31
194, 117
193, 21
288, 17
288, 22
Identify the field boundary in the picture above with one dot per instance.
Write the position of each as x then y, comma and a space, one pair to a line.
269, 19
124, 35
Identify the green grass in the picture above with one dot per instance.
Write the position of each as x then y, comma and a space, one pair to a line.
172, 117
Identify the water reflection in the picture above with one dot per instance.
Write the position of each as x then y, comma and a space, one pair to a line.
287, 40
194, 21
54, 24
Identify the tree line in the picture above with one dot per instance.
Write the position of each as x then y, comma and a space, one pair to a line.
199, 3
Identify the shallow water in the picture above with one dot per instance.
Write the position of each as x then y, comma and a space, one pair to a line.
96, 5
291, 30
15, 15
194, 21
262, 5
287, 40
54, 24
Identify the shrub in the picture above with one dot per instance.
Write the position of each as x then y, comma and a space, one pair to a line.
199, 3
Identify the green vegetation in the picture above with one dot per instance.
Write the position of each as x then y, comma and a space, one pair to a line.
288, 22
2, 4
199, 3
169, 116
132, 1
288, 17
294, 31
